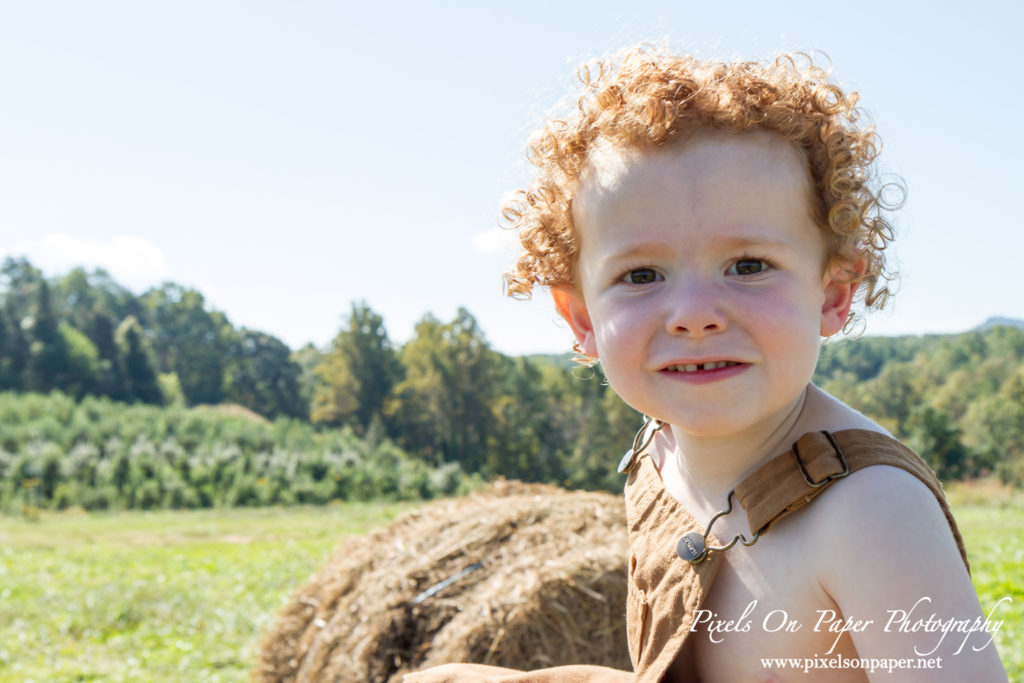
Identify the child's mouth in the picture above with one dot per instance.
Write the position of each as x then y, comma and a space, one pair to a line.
697, 367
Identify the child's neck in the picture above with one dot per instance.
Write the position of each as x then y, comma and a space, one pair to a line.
704, 469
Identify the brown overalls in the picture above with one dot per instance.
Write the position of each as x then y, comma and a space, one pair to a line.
665, 591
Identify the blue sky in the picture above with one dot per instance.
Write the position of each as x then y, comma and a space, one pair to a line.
287, 159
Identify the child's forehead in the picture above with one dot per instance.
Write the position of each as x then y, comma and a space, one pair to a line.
610, 166
607, 160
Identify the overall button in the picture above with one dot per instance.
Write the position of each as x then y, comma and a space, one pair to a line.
691, 546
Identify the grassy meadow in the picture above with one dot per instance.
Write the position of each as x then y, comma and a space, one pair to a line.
991, 519
156, 596
167, 596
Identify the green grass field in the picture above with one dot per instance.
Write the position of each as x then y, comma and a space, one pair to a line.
994, 536
171, 596
164, 596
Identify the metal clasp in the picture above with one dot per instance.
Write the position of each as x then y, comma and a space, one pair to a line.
629, 460
693, 547
831, 477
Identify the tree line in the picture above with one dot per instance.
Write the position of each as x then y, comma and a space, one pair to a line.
446, 398
958, 400
85, 335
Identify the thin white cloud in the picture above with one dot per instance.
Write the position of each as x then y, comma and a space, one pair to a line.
132, 261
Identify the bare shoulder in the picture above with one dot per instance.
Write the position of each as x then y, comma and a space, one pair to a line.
888, 556
887, 496
885, 521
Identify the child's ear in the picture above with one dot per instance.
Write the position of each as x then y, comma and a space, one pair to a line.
840, 286
570, 305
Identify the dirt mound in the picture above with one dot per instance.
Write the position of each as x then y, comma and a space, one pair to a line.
525, 576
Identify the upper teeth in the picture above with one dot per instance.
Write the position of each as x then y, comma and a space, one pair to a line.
693, 367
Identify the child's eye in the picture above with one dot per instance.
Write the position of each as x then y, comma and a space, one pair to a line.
748, 266
641, 276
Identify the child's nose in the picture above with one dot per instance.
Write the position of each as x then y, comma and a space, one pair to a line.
694, 310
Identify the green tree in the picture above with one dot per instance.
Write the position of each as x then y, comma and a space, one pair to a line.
994, 429
936, 438
93, 303
889, 397
19, 281
262, 377
13, 352
1013, 388
526, 442
32, 344
84, 364
188, 340
444, 408
81, 295
608, 426
101, 331
136, 367
307, 359
48, 363
357, 374
334, 395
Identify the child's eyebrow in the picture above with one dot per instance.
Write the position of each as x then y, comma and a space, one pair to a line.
744, 242
639, 250
725, 243
634, 252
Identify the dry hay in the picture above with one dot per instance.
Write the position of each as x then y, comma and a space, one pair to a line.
232, 410
549, 589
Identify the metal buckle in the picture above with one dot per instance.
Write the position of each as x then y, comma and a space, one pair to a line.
830, 477
630, 459
693, 547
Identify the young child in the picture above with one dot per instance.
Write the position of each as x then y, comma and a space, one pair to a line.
701, 227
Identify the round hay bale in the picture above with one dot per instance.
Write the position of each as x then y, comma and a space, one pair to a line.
523, 576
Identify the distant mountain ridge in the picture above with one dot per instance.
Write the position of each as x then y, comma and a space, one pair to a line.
996, 321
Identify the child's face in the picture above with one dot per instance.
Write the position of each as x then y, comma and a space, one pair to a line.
696, 255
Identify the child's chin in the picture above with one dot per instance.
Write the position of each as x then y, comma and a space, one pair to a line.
712, 426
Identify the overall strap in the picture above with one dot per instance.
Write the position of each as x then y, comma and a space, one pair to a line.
792, 480
663, 591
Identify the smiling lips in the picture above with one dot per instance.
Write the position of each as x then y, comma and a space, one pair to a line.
695, 367
702, 373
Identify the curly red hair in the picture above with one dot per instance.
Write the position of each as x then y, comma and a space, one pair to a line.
646, 98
